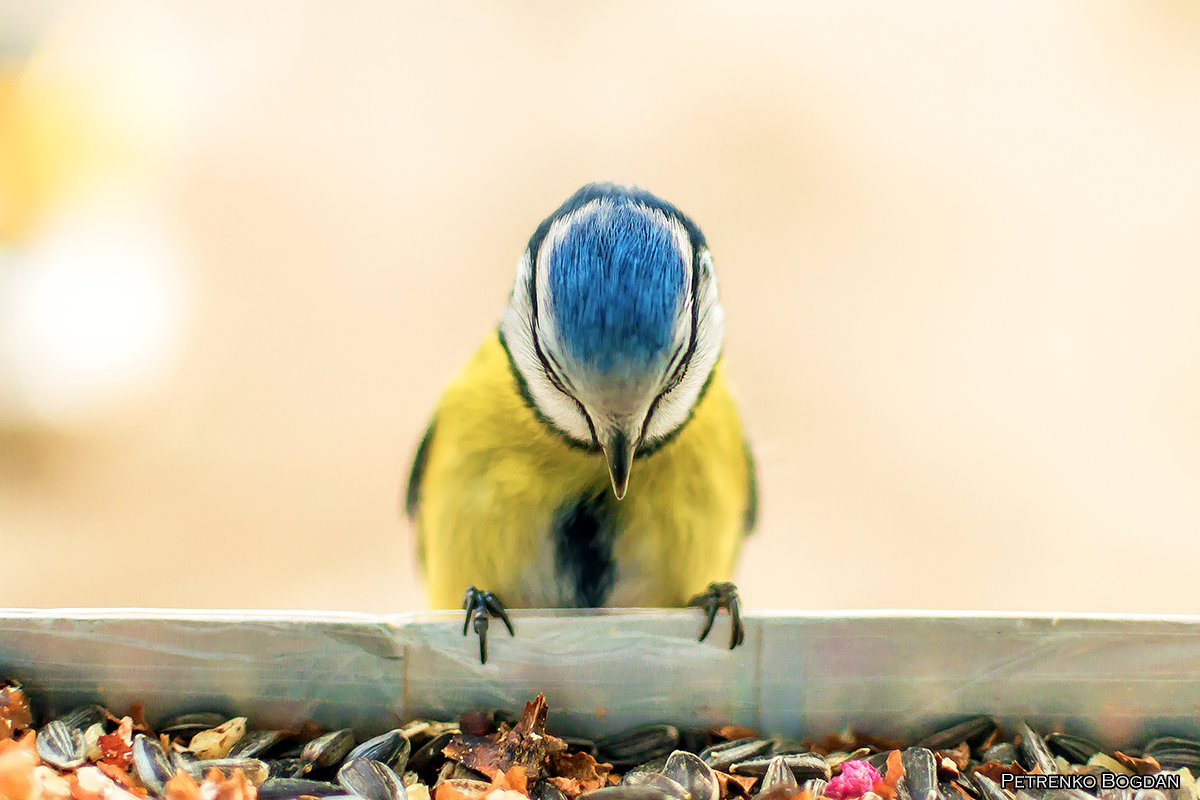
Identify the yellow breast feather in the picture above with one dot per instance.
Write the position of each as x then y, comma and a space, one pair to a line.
492, 485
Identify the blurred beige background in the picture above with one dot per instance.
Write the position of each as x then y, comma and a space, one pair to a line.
243, 247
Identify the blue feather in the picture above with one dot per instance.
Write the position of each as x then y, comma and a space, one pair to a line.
616, 284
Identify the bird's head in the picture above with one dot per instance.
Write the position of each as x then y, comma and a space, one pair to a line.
614, 323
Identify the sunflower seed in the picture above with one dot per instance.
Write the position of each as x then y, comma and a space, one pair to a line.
84, 717
1074, 749
670, 789
577, 745
278, 788
835, 759
802, 765
814, 786
151, 764
920, 773
693, 740
779, 776
284, 768
637, 745
372, 780
327, 750
427, 760
542, 790
724, 755
188, 725
391, 748
972, 731
692, 774
61, 746
1004, 753
256, 744
1033, 751
623, 793
1175, 753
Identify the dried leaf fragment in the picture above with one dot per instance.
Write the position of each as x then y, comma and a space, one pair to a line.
961, 756
514, 779
137, 716
17, 781
114, 750
731, 732
480, 753
181, 787
1142, 766
734, 786
886, 788
576, 773
449, 791
527, 745
15, 715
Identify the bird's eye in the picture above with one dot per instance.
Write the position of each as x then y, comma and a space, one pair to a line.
677, 371
677, 368
557, 382
554, 373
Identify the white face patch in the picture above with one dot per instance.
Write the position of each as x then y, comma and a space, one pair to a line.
674, 407
556, 405
576, 400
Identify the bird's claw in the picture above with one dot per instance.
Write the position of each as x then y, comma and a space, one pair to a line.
481, 606
713, 599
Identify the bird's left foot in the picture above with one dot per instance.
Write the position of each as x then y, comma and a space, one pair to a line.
713, 599
481, 606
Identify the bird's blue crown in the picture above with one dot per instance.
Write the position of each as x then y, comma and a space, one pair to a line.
617, 277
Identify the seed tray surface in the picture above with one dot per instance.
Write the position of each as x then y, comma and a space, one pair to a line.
1118, 680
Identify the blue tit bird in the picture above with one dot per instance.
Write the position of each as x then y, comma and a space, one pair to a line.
590, 454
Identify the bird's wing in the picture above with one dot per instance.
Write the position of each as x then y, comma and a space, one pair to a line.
412, 497
751, 518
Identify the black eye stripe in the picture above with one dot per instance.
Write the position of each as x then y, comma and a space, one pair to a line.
558, 375
551, 372
699, 267
587, 418
677, 369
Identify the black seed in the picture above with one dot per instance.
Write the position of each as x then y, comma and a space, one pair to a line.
1074, 749
724, 755
1033, 751
802, 765
391, 748
972, 731
920, 773
279, 788
372, 780
637, 745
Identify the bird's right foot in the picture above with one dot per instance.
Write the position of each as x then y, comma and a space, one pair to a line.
713, 599
481, 606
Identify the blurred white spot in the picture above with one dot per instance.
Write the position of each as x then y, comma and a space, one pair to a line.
91, 316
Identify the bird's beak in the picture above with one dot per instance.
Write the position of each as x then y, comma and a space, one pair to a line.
618, 449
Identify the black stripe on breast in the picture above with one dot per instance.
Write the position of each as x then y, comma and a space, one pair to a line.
583, 551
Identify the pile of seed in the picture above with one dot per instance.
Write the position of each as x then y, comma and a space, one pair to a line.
89, 753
